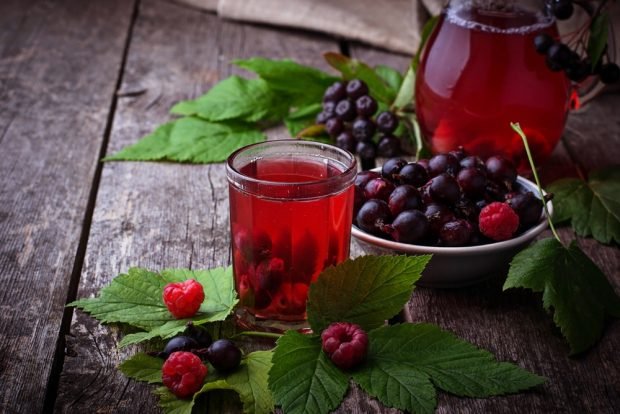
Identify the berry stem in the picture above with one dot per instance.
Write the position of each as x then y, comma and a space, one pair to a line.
517, 128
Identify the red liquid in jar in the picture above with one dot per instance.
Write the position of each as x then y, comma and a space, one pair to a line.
474, 80
281, 246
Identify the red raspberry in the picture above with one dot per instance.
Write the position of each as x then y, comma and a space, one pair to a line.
345, 343
183, 373
183, 299
498, 221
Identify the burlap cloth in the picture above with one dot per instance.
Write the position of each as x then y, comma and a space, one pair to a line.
390, 24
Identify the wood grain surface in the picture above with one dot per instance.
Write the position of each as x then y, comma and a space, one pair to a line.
59, 64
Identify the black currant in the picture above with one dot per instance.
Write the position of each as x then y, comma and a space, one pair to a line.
472, 181
473, 161
380, 188
224, 355
346, 141
179, 343
334, 127
609, 73
437, 215
562, 9
366, 106
444, 188
356, 88
199, 334
363, 177
392, 167
404, 197
443, 163
366, 150
373, 215
345, 110
414, 174
578, 71
387, 122
558, 56
410, 226
543, 42
501, 170
337, 91
322, 117
363, 129
455, 233
527, 206
388, 146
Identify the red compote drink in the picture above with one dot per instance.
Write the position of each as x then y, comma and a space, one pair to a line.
290, 215
481, 71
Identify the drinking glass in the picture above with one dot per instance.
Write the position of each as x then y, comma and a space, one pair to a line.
480, 72
291, 207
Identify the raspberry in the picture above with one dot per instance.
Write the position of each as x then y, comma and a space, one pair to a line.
183, 299
183, 373
498, 221
345, 343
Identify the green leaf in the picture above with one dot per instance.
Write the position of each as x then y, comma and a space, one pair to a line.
302, 378
191, 140
236, 98
390, 76
353, 68
592, 207
250, 381
405, 95
366, 291
598, 37
403, 361
135, 298
171, 404
305, 83
572, 285
302, 118
143, 367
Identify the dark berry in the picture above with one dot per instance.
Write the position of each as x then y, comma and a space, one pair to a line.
543, 42
404, 197
559, 56
356, 89
472, 182
388, 146
578, 71
363, 129
322, 117
443, 163
183, 299
363, 177
467, 209
455, 233
269, 274
346, 141
458, 153
392, 167
444, 188
609, 73
562, 9
366, 106
473, 161
410, 226
199, 334
527, 206
424, 163
224, 355
345, 110
373, 215
253, 245
179, 343
346, 344
414, 174
183, 374
329, 108
366, 150
334, 127
337, 91
501, 170
387, 122
438, 215
378, 188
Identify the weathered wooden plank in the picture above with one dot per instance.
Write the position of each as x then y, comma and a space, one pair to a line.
59, 64
158, 215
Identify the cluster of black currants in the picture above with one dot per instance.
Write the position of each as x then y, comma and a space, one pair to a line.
438, 201
223, 354
348, 111
559, 56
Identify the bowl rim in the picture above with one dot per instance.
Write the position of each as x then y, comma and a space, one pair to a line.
465, 250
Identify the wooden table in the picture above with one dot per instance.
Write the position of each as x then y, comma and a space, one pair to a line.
81, 79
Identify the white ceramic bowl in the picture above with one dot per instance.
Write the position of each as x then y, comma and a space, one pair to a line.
452, 267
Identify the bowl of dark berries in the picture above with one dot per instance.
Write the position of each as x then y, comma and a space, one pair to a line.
472, 215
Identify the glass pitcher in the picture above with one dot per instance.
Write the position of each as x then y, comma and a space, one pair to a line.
480, 71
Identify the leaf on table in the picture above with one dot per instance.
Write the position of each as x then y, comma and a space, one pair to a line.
592, 207
571, 284
236, 98
353, 68
390, 76
250, 381
191, 140
405, 361
170, 404
135, 298
597, 41
306, 84
143, 367
302, 378
377, 287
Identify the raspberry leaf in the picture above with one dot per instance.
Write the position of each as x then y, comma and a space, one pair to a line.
306, 84
377, 287
302, 378
143, 367
390, 76
592, 207
135, 298
571, 284
597, 41
250, 381
192, 140
405, 361
236, 98
353, 68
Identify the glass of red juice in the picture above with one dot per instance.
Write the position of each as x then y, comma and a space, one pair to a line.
480, 72
291, 207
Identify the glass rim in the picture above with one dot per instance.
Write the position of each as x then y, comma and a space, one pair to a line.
350, 168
